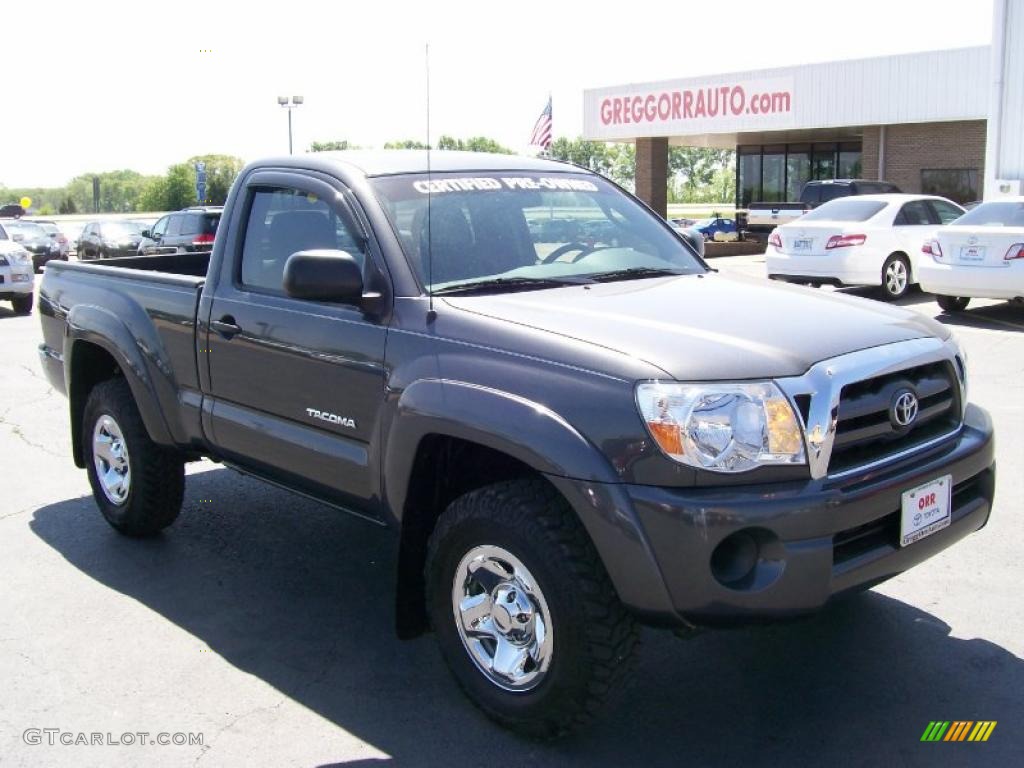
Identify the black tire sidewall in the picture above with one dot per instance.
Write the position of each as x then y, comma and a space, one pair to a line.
566, 678
953, 303
99, 404
23, 304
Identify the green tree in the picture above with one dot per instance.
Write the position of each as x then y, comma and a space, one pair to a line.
616, 161
406, 144
331, 146
693, 172
473, 144
221, 171
67, 205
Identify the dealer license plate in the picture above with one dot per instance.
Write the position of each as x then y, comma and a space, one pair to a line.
926, 509
972, 254
803, 244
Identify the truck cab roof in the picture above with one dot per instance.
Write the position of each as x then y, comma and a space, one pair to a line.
390, 162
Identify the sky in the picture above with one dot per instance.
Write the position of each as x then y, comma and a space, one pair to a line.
105, 85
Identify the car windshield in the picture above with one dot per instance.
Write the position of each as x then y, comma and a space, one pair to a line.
844, 209
120, 229
526, 229
994, 214
26, 229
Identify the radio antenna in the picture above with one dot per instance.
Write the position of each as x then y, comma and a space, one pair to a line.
430, 242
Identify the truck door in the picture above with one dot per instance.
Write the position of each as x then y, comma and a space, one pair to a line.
296, 385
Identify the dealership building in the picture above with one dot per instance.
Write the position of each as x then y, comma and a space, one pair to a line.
942, 122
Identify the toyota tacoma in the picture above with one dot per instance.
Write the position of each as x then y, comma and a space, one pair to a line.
573, 423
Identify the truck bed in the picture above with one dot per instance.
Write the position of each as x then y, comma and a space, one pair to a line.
192, 264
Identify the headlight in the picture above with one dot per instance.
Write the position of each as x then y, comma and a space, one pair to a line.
722, 427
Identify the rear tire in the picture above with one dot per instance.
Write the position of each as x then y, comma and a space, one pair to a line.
22, 304
525, 527
895, 277
142, 484
953, 303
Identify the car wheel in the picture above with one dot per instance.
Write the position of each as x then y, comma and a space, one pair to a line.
953, 303
525, 614
22, 304
138, 485
895, 277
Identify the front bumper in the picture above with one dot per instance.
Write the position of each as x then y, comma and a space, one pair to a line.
816, 538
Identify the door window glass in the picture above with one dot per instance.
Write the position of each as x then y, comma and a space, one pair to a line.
946, 212
283, 222
915, 213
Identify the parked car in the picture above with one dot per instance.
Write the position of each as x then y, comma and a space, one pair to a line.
863, 240
73, 231
980, 255
189, 230
56, 235
761, 218
710, 227
566, 442
108, 240
34, 239
17, 280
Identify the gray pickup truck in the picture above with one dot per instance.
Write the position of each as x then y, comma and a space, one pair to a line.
571, 428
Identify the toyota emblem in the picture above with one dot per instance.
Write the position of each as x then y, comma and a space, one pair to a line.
904, 408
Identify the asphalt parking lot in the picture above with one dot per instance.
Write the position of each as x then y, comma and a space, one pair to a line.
263, 622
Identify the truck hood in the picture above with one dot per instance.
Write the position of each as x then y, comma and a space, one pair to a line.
708, 327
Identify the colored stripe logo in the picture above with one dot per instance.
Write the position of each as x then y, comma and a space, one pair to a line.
958, 730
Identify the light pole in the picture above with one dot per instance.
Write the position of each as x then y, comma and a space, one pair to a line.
294, 102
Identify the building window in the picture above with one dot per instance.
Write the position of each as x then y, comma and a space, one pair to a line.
749, 179
824, 161
957, 184
773, 173
849, 166
798, 170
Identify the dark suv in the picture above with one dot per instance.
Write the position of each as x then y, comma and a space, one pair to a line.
815, 193
189, 230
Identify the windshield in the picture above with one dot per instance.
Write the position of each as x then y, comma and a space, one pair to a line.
995, 214
27, 229
526, 228
50, 229
844, 209
120, 229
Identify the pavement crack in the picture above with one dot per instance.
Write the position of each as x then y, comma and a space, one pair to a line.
220, 731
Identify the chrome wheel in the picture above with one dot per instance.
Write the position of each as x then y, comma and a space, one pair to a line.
896, 277
110, 457
502, 618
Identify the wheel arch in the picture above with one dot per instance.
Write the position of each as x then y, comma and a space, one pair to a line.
447, 438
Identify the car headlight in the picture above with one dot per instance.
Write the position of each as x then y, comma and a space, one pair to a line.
724, 427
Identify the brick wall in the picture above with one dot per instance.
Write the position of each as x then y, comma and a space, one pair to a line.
913, 146
652, 173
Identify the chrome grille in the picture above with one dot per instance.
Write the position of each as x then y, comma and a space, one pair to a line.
865, 429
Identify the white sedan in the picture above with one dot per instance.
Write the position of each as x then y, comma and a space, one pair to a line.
980, 255
859, 240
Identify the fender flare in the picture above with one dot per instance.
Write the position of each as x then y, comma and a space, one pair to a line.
514, 425
104, 329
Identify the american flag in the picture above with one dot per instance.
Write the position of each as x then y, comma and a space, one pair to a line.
542, 130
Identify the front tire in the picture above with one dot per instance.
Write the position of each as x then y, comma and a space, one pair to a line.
138, 485
525, 614
953, 303
895, 277
22, 304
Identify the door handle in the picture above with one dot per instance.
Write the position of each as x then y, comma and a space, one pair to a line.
226, 326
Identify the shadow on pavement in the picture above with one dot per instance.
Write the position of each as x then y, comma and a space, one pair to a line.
301, 596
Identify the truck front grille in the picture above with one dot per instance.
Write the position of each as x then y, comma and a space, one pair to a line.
867, 433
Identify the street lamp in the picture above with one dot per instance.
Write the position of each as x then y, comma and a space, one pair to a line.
294, 102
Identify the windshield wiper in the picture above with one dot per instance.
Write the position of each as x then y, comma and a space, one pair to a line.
633, 273
511, 283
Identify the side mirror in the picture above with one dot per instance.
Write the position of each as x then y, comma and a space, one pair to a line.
147, 233
323, 275
694, 238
